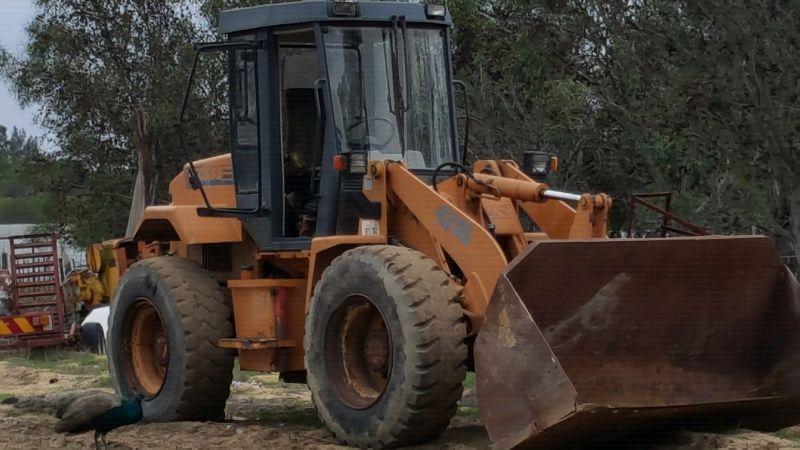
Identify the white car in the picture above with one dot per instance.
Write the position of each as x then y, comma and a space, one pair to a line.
94, 329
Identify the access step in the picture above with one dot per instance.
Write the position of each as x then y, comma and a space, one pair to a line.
255, 343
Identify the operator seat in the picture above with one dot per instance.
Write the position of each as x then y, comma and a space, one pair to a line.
301, 161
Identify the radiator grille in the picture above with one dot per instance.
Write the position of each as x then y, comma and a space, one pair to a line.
218, 257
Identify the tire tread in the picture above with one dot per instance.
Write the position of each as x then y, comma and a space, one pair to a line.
205, 317
437, 342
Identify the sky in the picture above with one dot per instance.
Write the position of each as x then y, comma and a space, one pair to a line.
14, 16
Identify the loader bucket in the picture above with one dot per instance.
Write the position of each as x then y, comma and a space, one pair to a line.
586, 340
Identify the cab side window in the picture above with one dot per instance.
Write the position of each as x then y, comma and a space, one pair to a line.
244, 115
300, 132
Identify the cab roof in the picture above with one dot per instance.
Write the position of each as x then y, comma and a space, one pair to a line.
307, 12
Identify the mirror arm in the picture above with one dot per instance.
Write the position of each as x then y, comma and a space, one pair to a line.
194, 177
465, 93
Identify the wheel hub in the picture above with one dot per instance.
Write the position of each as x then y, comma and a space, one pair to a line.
146, 348
358, 352
376, 347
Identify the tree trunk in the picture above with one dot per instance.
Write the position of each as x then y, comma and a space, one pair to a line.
144, 192
787, 220
794, 230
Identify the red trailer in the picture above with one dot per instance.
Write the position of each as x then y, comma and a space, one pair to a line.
36, 311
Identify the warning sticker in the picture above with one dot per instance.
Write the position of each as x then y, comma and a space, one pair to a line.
369, 227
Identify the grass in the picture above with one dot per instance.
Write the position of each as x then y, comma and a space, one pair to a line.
79, 363
291, 414
469, 411
792, 434
304, 414
263, 379
4, 396
61, 362
242, 376
104, 380
469, 382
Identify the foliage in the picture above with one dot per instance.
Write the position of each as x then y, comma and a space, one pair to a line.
19, 201
699, 98
88, 63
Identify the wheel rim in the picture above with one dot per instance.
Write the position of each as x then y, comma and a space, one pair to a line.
358, 352
146, 350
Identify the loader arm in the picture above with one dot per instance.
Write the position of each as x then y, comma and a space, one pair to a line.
455, 215
464, 239
555, 217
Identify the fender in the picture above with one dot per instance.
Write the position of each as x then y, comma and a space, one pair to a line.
179, 220
182, 223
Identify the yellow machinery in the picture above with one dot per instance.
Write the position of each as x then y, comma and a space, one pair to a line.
341, 244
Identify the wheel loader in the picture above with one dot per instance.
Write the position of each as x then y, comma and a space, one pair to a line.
342, 242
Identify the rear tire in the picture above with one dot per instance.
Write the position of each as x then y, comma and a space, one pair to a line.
385, 351
166, 318
92, 338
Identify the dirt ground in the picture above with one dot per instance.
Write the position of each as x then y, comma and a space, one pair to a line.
261, 413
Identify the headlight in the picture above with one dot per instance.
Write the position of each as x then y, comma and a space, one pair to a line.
536, 164
435, 11
344, 9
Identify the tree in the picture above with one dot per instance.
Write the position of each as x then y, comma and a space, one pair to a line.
90, 64
19, 202
17, 146
694, 97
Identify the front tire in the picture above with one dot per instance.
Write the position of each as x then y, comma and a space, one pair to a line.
385, 351
166, 318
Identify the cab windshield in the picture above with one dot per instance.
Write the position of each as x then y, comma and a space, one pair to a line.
390, 93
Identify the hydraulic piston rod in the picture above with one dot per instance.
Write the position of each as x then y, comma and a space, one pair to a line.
526, 191
558, 195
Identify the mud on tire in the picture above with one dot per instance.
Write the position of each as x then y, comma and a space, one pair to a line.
194, 313
416, 391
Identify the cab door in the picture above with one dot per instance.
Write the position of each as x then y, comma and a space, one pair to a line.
281, 145
244, 102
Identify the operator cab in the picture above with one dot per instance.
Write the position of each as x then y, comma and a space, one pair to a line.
313, 80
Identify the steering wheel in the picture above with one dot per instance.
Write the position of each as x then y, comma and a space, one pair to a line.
363, 120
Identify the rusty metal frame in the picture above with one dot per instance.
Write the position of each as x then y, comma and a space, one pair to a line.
19, 309
667, 216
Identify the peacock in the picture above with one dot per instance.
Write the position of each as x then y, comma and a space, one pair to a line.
101, 413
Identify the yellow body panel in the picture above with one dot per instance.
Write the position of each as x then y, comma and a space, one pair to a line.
180, 219
187, 225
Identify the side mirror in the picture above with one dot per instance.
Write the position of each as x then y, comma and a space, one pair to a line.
539, 164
